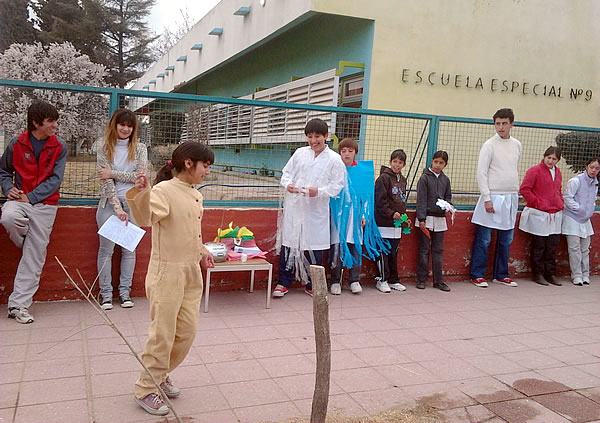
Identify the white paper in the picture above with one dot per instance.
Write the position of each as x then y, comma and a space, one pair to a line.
127, 236
247, 250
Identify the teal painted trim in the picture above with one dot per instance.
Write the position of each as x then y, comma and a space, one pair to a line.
417, 166
432, 139
89, 201
113, 103
242, 11
228, 100
216, 31
170, 68
146, 87
160, 75
182, 59
197, 46
152, 81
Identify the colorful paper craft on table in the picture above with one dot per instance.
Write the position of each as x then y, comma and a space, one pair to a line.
239, 241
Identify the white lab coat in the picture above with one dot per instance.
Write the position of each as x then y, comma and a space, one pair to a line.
305, 224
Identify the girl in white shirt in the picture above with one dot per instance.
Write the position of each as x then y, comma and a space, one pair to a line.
119, 160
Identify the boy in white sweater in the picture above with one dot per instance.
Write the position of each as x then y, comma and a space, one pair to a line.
498, 180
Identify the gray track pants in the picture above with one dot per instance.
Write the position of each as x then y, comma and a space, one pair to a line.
29, 227
579, 257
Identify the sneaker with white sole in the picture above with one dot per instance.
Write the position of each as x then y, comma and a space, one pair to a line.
279, 291
20, 314
355, 288
106, 303
153, 404
169, 389
336, 289
586, 281
578, 282
397, 286
480, 282
505, 281
383, 286
126, 301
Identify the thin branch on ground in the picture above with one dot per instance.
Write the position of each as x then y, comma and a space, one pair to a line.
96, 306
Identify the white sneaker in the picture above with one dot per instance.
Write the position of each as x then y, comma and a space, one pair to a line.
336, 289
356, 288
397, 287
383, 286
586, 281
20, 314
578, 282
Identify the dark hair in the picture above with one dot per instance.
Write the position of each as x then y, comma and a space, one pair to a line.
592, 160
192, 150
440, 155
398, 154
504, 114
348, 143
38, 111
316, 126
552, 150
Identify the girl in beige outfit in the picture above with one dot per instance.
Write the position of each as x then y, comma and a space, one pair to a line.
174, 280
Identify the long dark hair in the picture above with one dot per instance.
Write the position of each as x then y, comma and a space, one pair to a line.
194, 151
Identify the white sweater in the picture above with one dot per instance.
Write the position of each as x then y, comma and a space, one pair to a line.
498, 166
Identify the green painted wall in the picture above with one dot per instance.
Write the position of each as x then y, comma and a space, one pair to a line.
315, 45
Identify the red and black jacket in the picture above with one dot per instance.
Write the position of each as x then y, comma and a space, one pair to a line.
40, 178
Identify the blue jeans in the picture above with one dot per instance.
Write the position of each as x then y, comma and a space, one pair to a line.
105, 253
479, 255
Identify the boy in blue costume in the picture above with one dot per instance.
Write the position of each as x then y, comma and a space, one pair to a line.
353, 230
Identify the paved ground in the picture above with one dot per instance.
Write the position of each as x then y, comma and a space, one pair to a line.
526, 354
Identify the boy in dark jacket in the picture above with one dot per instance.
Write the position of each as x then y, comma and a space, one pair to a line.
390, 204
433, 185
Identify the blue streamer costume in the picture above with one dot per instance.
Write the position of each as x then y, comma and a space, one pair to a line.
357, 200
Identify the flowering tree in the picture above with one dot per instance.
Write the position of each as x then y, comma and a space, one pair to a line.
82, 115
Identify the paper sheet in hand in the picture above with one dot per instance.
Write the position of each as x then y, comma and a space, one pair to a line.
127, 236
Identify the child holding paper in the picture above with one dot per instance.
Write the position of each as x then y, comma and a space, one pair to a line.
119, 160
433, 186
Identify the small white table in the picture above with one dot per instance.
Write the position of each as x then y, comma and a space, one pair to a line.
237, 266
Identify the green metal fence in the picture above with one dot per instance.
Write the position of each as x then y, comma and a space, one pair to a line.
253, 140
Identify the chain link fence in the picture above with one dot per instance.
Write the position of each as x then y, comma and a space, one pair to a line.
253, 140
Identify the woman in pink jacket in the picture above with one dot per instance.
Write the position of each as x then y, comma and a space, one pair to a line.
542, 217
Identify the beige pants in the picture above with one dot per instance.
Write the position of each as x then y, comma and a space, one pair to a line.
174, 291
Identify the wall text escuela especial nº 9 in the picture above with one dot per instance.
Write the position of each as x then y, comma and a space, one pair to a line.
488, 84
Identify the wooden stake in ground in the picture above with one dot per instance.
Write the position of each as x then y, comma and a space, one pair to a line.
323, 343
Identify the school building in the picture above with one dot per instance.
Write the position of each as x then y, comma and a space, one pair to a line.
454, 58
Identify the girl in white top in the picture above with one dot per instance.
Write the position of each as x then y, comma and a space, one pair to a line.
580, 202
119, 160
